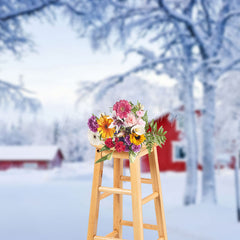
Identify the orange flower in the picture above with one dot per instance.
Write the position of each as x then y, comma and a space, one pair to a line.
104, 122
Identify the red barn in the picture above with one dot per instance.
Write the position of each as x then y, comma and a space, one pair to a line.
172, 156
34, 157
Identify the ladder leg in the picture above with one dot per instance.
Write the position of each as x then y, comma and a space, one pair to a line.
158, 202
95, 198
136, 199
117, 198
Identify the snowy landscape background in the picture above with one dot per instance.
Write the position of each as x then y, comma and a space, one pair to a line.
63, 60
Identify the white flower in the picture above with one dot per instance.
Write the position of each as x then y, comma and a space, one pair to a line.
138, 129
94, 138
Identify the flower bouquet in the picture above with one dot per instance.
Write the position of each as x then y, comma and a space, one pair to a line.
126, 130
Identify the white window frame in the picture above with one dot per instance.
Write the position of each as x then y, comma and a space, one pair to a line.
180, 144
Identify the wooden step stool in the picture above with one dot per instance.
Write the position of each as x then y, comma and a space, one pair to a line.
99, 192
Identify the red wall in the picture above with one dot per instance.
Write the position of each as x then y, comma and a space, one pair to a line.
4, 165
165, 153
41, 164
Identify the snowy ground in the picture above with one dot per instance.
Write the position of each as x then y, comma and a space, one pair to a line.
44, 205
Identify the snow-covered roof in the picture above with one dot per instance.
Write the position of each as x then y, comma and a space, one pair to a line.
20, 153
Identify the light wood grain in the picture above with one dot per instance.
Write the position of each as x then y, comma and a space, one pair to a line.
106, 238
136, 199
158, 202
123, 155
149, 198
115, 190
95, 198
143, 180
104, 195
145, 225
112, 234
117, 198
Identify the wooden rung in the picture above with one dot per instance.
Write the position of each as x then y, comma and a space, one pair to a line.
112, 234
161, 238
106, 238
104, 195
147, 226
143, 180
149, 198
115, 190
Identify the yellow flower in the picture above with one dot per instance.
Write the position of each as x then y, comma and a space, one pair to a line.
137, 139
104, 122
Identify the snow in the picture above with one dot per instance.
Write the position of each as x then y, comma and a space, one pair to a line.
54, 204
19, 153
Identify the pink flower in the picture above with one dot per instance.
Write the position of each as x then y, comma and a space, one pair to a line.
122, 108
130, 120
140, 113
141, 122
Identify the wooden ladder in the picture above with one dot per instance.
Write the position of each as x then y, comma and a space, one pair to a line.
100, 192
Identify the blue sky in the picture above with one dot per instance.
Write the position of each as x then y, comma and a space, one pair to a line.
60, 62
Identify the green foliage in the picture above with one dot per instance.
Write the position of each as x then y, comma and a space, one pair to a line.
104, 148
135, 109
107, 157
145, 118
155, 136
149, 141
132, 156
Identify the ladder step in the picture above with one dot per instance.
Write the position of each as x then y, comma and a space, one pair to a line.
147, 226
149, 198
104, 195
106, 238
143, 180
115, 190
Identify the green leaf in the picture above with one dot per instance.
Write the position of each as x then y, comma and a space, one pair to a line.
155, 128
104, 148
152, 123
106, 157
132, 156
145, 117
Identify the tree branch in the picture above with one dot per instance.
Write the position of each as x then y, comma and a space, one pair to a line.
28, 11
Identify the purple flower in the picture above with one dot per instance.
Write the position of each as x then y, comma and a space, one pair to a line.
127, 140
117, 121
126, 148
136, 148
92, 123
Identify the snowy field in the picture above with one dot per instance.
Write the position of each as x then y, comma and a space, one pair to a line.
54, 204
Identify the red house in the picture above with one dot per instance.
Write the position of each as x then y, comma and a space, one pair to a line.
172, 156
34, 157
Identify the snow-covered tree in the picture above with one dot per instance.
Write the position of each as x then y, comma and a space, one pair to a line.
228, 114
148, 22
207, 28
14, 39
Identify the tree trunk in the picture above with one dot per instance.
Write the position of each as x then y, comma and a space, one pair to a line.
208, 176
191, 138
